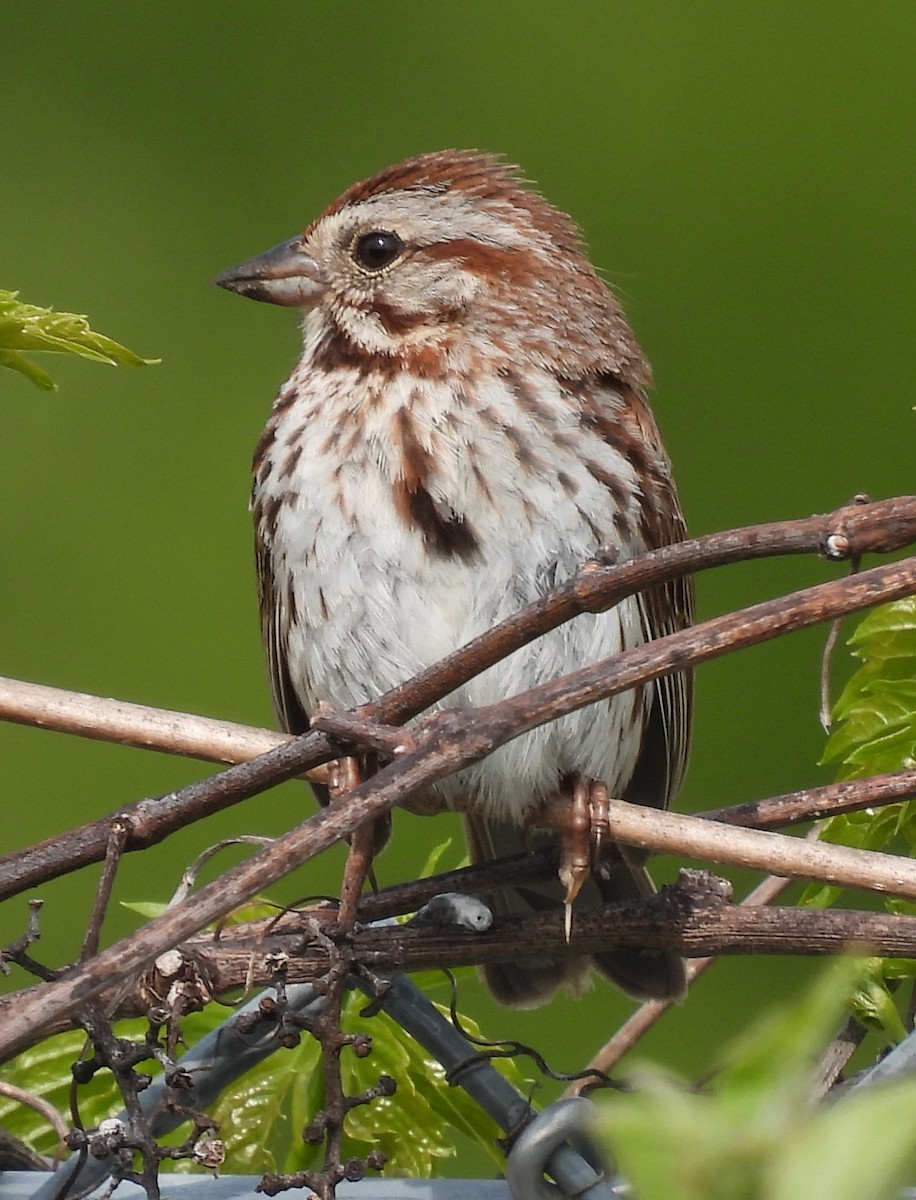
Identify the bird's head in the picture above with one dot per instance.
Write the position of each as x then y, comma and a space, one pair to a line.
447, 242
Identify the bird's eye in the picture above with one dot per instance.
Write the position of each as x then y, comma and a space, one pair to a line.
377, 249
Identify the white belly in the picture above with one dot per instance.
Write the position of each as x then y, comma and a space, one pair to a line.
374, 606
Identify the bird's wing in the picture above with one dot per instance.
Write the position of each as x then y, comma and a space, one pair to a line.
290, 713
626, 421
666, 741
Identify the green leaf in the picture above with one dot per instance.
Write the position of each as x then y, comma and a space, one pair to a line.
18, 362
44, 1070
730, 1143
777, 1053
145, 908
263, 1114
876, 711
27, 327
873, 1006
431, 1107
883, 622
256, 1114
862, 1146
668, 1143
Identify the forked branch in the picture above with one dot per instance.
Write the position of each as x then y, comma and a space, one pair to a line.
850, 532
443, 743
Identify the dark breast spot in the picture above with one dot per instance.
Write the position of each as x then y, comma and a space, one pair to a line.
444, 534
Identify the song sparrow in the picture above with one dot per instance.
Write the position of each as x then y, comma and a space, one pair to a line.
467, 423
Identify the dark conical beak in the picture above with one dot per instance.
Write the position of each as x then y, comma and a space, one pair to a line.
284, 275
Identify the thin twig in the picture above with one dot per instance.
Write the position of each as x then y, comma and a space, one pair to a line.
117, 839
813, 804
836, 1057
40, 1105
188, 880
345, 776
830, 644
16, 951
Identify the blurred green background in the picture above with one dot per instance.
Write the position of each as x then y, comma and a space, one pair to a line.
744, 175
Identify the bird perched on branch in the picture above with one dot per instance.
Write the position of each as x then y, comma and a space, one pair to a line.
466, 425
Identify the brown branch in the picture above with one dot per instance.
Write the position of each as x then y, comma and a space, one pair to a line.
117, 836
809, 804
701, 643
677, 919
151, 820
140, 725
851, 531
648, 1014
709, 841
683, 918
813, 804
446, 742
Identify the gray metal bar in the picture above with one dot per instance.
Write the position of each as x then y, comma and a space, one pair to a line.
20, 1185
495, 1095
898, 1063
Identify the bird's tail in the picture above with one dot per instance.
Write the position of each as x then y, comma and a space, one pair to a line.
644, 974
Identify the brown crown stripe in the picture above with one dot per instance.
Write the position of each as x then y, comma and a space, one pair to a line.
461, 170
483, 176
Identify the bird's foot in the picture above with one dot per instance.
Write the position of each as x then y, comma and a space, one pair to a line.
581, 834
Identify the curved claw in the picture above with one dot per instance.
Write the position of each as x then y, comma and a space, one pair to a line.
575, 859
580, 839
